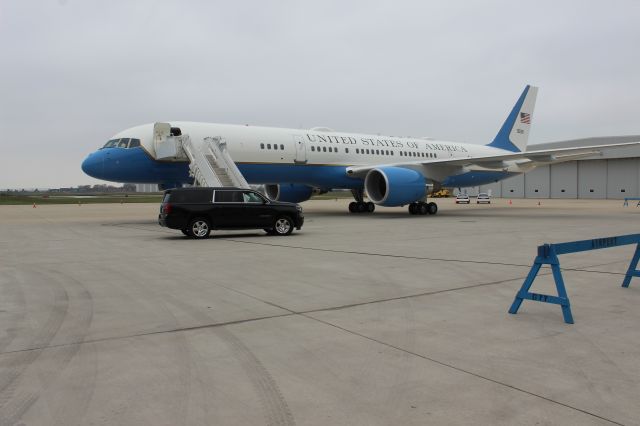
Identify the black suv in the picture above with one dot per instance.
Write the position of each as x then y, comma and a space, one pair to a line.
196, 211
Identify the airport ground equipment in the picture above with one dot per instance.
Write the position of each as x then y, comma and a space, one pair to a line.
210, 163
627, 199
548, 255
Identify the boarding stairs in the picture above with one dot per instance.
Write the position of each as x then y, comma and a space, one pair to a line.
210, 163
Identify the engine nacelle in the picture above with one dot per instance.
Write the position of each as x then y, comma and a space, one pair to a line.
394, 186
291, 193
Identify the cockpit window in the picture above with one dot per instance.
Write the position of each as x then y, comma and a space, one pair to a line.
122, 143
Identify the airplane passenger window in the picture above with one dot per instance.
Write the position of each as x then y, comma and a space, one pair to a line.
268, 146
324, 149
357, 151
313, 148
261, 146
134, 143
282, 147
123, 143
275, 146
346, 150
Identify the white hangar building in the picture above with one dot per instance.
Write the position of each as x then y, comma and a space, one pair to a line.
614, 174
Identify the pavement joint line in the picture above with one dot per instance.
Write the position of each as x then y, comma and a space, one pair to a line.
480, 262
289, 312
462, 370
150, 333
307, 315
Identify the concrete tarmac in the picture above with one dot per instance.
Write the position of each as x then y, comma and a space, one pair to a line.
382, 319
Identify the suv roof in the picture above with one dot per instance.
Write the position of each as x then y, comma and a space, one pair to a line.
202, 188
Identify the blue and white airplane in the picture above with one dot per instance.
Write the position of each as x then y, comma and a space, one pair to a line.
293, 163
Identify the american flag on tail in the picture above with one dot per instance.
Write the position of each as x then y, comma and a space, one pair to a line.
525, 118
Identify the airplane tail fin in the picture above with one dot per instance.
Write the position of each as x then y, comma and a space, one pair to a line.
514, 133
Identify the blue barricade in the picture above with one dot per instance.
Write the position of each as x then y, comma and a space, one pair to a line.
627, 199
548, 255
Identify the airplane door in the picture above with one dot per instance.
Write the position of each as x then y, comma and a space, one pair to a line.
301, 150
161, 131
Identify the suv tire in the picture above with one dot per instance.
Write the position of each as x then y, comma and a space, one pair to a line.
199, 228
283, 225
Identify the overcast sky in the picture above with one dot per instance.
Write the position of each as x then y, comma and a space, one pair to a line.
73, 73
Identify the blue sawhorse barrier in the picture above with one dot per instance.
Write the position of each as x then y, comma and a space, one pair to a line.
627, 199
548, 255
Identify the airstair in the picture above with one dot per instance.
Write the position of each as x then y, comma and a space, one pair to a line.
210, 163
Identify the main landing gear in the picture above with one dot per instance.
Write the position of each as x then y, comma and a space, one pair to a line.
359, 205
423, 208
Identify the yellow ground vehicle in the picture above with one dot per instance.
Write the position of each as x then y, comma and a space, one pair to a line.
441, 193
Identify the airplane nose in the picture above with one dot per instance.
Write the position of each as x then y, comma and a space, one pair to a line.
93, 165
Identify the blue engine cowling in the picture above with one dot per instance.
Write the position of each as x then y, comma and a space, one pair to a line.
394, 186
291, 193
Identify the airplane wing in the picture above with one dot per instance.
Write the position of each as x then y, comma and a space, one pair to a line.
439, 169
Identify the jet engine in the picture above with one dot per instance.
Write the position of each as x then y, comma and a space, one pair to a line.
292, 193
394, 186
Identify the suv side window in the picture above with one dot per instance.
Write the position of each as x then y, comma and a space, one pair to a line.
251, 197
229, 197
224, 197
191, 196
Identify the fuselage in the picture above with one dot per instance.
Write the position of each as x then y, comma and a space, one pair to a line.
316, 157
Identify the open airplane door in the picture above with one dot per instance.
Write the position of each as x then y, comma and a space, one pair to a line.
163, 145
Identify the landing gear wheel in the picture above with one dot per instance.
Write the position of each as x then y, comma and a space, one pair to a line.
199, 228
353, 207
362, 207
283, 226
413, 208
432, 208
422, 209
371, 207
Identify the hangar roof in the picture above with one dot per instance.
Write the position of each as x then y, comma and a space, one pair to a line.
633, 152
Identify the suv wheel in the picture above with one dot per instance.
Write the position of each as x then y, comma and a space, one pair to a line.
199, 228
283, 226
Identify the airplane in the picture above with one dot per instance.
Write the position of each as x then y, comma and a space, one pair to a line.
293, 164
